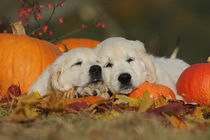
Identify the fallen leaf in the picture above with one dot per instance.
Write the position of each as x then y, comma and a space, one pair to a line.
53, 103
160, 101
35, 94
88, 100
13, 90
146, 102
175, 121
108, 115
77, 106
197, 116
143, 103
24, 110
176, 108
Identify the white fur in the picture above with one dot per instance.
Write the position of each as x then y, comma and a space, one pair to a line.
145, 67
63, 74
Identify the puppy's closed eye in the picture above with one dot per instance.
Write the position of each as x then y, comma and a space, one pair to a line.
77, 63
129, 60
108, 65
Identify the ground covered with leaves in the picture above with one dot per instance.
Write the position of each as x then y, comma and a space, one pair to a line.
53, 117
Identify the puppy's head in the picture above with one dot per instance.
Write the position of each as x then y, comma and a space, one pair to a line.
76, 68
125, 63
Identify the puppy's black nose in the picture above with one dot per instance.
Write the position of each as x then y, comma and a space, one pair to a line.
124, 78
95, 70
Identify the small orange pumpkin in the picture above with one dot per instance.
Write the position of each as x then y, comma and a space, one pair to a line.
88, 100
194, 84
154, 90
68, 44
23, 58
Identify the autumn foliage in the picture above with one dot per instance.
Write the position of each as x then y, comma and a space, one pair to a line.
27, 108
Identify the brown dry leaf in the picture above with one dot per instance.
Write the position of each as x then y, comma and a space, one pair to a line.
175, 121
77, 106
13, 90
99, 104
173, 107
205, 109
28, 100
197, 116
52, 102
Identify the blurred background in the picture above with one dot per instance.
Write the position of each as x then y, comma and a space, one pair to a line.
160, 24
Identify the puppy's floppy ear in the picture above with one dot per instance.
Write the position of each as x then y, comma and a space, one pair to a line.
149, 66
151, 76
55, 72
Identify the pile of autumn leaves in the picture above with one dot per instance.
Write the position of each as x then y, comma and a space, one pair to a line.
15, 107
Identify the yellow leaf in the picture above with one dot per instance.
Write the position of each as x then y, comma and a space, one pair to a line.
35, 94
175, 121
133, 102
108, 115
54, 102
25, 110
145, 103
27, 99
197, 116
161, 101
142, 103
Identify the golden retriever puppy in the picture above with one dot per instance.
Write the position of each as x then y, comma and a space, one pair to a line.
126, 65
78, 69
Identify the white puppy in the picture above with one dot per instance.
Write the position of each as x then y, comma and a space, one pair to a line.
77, 68
126, 65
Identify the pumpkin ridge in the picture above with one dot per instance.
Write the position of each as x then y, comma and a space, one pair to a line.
195, 82
41, 54
20, 59
13, 63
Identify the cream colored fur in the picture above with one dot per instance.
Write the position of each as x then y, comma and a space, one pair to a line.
66, 72
144, 67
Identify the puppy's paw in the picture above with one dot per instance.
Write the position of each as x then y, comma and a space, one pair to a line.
98, 90
70, 94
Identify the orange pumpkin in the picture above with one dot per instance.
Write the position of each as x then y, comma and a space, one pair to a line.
23, 58
194, 84
68, 44
88, 100
154, 89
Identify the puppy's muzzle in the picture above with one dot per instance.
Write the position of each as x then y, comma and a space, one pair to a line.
125, 78
95, 73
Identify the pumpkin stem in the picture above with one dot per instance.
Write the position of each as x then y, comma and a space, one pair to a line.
18, 29
208, 59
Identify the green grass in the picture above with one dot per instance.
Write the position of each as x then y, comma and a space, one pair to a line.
129, 126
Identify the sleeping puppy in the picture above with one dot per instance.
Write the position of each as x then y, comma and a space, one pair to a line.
126, 65
78, 68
